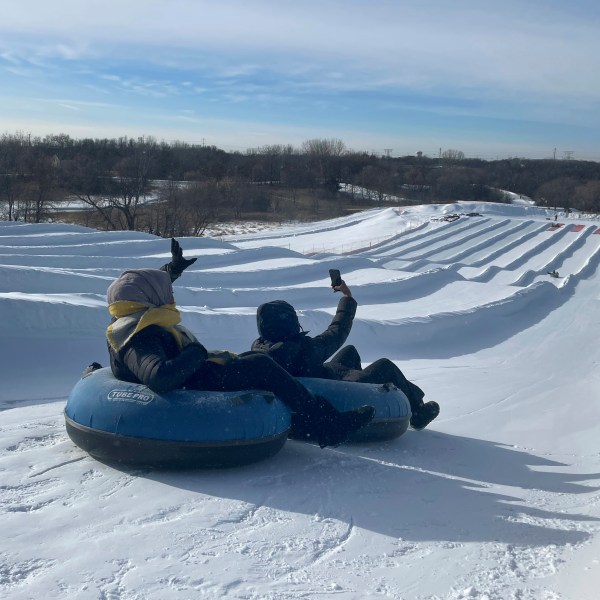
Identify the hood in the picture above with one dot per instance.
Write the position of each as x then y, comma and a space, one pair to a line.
277, 321
150, 287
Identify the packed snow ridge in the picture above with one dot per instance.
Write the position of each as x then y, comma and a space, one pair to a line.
497, 499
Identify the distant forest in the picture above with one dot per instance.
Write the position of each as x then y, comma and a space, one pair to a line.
179, 189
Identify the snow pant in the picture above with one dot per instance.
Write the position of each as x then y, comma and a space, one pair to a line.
346, 365
347, 358
257, 371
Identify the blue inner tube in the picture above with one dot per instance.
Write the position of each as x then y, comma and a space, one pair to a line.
117, 421
392, 408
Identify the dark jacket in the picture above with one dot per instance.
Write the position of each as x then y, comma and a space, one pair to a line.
152, 357
299, 354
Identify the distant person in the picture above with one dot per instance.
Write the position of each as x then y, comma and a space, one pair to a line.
282, 338
148, 345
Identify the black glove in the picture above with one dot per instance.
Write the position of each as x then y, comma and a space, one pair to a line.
178, 264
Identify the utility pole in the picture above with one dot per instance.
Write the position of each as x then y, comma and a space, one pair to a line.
568, 154
388, 151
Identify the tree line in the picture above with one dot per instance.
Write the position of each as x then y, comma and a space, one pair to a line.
172, 189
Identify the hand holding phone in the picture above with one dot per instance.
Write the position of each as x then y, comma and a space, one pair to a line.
336, 277
338, 284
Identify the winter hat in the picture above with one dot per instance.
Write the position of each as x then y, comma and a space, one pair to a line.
150, 287
277, 321
138, 299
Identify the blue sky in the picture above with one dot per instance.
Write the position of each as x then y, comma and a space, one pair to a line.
493, 79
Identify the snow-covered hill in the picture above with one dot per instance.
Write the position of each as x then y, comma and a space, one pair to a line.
497, 499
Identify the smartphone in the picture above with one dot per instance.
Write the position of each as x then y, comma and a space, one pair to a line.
336, 278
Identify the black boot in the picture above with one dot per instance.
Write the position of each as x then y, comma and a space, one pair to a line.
327, 426
424, 415
347, 423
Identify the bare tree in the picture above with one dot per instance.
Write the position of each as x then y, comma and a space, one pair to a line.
117, 195
89, 182
324, 156
131, 184
165, 217
11, 189
202, 206
377, 180
458, 184
183, 208
587, 196
295, 176
557, 192
41, 191
15, 165
231, 192
452, 155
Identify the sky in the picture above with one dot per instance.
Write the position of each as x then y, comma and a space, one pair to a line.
492, 79
497, 499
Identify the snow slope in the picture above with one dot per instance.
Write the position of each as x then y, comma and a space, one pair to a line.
497, 499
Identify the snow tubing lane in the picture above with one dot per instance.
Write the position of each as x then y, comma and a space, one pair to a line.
392, 408
117, 421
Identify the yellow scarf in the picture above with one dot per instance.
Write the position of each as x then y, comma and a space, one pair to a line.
132, 317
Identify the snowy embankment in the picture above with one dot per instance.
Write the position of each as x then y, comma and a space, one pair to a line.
497, 499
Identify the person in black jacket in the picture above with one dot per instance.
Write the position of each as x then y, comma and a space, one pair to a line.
282, 338
147, 344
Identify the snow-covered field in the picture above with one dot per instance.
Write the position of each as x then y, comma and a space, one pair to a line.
498, 499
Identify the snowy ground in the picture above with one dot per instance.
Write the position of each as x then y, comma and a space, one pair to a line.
497, 500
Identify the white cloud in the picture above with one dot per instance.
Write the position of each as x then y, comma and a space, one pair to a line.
69, 106
19, 71
79, 104
8, 57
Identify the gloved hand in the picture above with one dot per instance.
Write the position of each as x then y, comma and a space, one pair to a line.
178, 264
